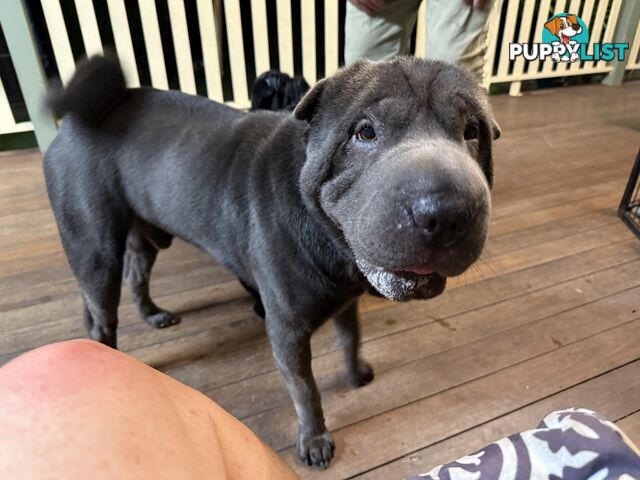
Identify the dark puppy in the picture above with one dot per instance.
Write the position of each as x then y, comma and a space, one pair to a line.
380, 176
274, 90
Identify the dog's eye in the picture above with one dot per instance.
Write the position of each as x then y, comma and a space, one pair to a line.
366, 133
471, 131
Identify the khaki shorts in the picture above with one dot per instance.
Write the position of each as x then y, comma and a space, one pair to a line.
455, 32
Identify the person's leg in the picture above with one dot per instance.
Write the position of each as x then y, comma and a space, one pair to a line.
457, 32
382, 36
79, 409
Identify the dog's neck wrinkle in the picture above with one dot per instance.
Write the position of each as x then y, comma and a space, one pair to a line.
335, 248
321, 241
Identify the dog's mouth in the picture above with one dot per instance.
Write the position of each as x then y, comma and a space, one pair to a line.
401, 285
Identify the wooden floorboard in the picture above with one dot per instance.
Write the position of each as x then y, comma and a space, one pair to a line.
549, 318
407, 376
407, 428
402, 356
631, 425
598, 390
209, 372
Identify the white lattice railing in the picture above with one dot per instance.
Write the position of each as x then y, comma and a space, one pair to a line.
601, 15
8, 123
209, 38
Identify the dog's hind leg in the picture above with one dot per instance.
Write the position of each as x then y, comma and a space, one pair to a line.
93, 220
359, 372
96, 260
143, 242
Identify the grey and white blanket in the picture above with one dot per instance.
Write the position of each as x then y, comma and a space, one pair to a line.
572, 444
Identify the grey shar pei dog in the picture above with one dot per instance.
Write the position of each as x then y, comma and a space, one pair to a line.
380, 177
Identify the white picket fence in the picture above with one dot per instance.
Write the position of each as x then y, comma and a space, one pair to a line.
602, 15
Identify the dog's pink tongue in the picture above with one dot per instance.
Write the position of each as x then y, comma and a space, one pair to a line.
420, 270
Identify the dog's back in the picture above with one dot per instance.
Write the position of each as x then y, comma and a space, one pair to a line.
113, 132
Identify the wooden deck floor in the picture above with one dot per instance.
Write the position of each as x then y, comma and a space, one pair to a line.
550, 318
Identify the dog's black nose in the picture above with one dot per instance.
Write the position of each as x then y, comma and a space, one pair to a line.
576, 27
442, 221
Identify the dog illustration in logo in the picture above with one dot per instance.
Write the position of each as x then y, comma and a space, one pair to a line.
565, 28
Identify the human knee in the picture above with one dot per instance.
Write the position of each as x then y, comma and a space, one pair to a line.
57, 368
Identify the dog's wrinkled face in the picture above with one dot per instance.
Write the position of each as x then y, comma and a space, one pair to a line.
399, 161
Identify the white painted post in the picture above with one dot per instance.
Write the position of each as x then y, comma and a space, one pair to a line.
625, 31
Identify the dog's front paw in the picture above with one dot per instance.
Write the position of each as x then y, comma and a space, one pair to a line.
162, 319
362, 375
316, 451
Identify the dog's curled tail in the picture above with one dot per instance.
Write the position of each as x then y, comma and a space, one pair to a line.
96, 88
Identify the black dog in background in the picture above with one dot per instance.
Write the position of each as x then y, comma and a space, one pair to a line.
274, 90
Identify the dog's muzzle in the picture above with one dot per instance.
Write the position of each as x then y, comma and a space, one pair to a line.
403, 285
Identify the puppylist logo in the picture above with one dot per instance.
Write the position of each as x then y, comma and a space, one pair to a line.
565, 38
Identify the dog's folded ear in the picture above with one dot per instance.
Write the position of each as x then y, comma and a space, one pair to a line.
496, 131
308, 106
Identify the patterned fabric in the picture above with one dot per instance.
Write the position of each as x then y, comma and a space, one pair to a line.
572, 444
